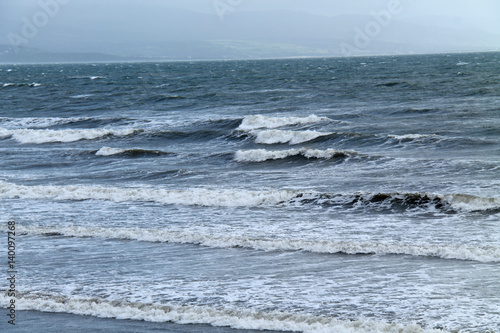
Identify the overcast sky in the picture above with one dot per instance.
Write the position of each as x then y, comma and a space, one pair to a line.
479, 9
104, 20
465, 8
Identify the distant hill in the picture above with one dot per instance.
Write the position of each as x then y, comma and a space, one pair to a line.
31, 55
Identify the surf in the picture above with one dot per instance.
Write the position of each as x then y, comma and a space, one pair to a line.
190, 314
323, 246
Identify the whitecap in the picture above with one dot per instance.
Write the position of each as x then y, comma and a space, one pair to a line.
261, 155
195, 196
38, 122
259, 121
291, 137
82, 96
472, 203
39, 136
107, 151
412, 136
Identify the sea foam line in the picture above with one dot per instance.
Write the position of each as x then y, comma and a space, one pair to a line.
259, 121
196, 196
49, 136
183, 314
261, 155
200, 237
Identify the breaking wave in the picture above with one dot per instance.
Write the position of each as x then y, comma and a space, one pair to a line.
259, 121
10, 84
36, 122
261, 155
290, 137
50, 136
108, 151
198, 237
82, 96
197, 196
406, 137
187, 314
451, 203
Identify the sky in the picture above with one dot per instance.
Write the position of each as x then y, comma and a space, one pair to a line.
478, 9
360, 25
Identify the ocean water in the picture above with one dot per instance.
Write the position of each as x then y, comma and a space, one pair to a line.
305, 195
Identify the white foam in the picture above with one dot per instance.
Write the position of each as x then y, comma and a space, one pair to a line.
200, 237
38, 122
182, 314
291, 137
33, 84
216, 197
107, 151
261, 155
412, 136
88, 77
197, 196
82, 96
258, 121
470, 203
47, 136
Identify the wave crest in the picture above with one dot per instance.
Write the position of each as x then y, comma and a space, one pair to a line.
39, 136
36, 122
261, 155
409, 137
108, 151
290, 137
259, 121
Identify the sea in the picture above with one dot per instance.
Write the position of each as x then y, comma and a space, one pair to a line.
295, 195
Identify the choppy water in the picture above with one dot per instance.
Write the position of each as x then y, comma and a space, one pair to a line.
315, 195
